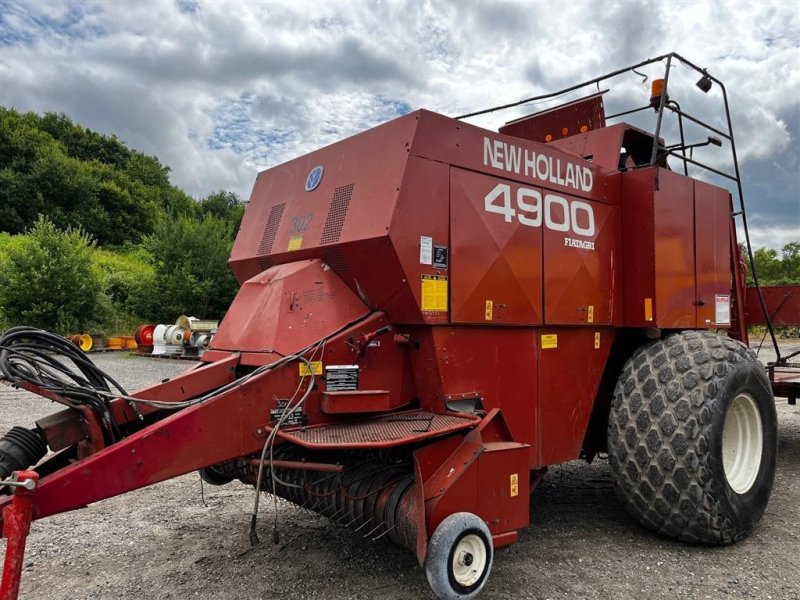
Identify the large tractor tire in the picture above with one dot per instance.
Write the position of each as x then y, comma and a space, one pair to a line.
692, 438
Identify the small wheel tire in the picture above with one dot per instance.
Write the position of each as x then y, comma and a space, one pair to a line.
214, 477
692, 438
460, 556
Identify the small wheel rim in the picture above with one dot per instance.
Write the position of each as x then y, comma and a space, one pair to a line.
742, 443
469, 560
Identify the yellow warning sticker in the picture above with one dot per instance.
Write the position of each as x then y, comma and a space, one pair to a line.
596, 340
489, 310
295, 242
648, 309
316, 368
514, 484
434, 293
591, 314
549, 340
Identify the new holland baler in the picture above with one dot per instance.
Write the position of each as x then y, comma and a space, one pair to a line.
430, 315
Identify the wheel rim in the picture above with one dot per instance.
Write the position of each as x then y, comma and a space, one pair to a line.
469, 560
742, 443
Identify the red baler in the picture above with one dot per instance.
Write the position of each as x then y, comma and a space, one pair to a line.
432, 313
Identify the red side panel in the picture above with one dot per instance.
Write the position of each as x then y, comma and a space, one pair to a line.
494, 261
579, 116
674, 242
423, 212
579, 273
783, 305
354, 199
566, 400
497, 365
712, 209
638, 249
304, 298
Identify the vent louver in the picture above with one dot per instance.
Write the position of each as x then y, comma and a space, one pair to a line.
336, 214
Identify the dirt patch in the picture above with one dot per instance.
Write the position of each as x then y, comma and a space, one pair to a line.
164, 542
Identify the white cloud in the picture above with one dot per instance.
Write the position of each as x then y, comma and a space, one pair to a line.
219, 90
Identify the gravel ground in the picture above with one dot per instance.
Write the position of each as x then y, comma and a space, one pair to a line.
164, 542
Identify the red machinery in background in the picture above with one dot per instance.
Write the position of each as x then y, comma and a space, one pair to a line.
432, 313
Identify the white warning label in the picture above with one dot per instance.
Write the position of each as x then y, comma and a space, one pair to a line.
425, 250
723, 312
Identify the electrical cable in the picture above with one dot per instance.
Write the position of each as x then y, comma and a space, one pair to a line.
30, 355
254, 541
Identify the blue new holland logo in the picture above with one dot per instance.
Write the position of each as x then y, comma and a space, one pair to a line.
314, 177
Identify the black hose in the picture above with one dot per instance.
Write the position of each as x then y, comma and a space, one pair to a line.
32, 355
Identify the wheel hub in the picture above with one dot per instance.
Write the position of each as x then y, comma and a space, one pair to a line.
742, 443
469, 560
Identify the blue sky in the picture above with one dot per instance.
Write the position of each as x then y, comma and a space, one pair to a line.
219, 91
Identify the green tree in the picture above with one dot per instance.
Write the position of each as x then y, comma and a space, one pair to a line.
47, 279
223, 205
191, 271
791, 262
775, 270
80, 178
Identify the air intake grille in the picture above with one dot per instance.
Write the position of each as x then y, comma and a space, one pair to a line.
271, 230
334, 258
336, 214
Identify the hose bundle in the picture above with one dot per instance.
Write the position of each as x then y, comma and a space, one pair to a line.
33, 355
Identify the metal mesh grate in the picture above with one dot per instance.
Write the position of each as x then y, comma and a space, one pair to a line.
335, 259
265, 262
336, 214
387, 430
271, 230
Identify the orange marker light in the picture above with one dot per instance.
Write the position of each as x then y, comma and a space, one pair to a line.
656, 89
548, 138
565, 131
584, 128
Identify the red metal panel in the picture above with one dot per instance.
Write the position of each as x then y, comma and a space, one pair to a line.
602, 146
494, 261
580, 282
304, 298
423, 209
372, 162
566, 400
712, 209
638, 248
783, 305
360, 401
674, 251
579, 116
503, 486
530, 163
499, 364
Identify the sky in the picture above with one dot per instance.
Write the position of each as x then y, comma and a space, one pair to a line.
219, 91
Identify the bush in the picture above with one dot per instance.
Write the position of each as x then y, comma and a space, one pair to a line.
190, 259
47, 279
127, 279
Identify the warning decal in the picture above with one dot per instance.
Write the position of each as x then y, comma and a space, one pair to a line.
425, 250
723, 309
549, 341
295, 242
306, 370
434, 293
514, 484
